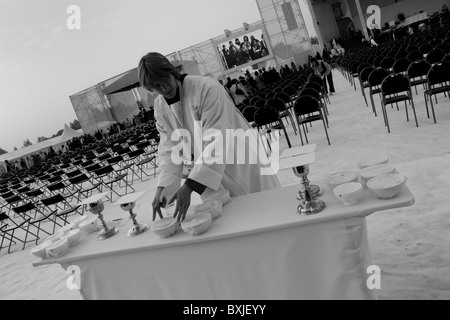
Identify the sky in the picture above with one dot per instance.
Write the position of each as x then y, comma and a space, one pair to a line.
43, 62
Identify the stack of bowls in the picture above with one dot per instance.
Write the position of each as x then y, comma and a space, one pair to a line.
375, 170
349, 193
73, 236
386, 186
214, 207
165, 227
339, 178
58, 248
89, 225
40, 251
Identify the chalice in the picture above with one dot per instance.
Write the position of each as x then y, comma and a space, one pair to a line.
137, 228
97, 209
127, 203
309, 204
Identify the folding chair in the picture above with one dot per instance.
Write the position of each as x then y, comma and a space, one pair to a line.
60, 207
84, 185
140, 159
108, 177
8, 233
38, 218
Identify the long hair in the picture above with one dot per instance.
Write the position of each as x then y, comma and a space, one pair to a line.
153, 67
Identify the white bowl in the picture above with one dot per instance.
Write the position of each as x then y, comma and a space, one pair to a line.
40, 251
372, 160
386, 186
349, 193
222, 195
339, 178
58, 248
73, 236
78, 220
214, 207
63, 230
89, 225
54, 237
373, 171
198, 224
165, 228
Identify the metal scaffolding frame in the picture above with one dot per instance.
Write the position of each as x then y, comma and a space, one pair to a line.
288, 45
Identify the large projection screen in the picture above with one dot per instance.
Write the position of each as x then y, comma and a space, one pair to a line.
243, 49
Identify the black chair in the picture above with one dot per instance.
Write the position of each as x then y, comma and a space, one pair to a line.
260, 103
446, 58
314, 93
425, 48
364, 80
387, 63
249, 114
401, 66
415, 55
282, 109
438, 81
435, 56
268, 120
417, 73
307, 109
396, 88
377, 61
375, 79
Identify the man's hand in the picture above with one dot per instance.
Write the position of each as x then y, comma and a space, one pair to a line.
183, 197
156, 204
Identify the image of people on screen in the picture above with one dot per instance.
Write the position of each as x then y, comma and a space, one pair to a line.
242, 50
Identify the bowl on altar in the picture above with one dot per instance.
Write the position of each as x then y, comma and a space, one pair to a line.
89, 225
58, 248
339, 178
73, 236
222, 195
214, 207
165, 227
386, 186
78, 220
373, 171
40, 250
198, 224
349, 193
54, 237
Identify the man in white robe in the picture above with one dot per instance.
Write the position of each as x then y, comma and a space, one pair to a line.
204, 103
194, 116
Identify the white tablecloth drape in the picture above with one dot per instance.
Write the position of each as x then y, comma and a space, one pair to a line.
320, 261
